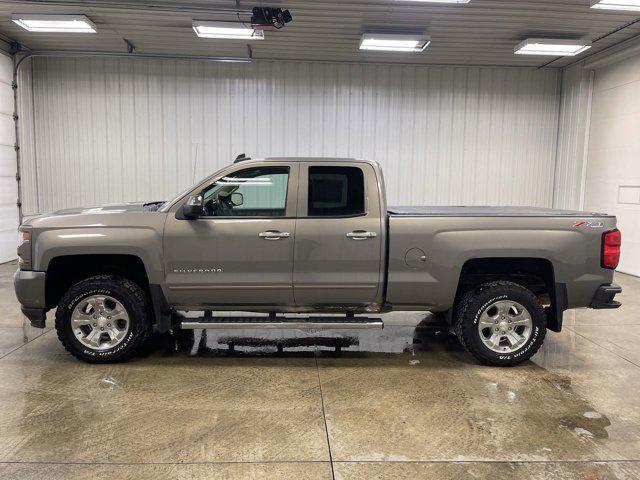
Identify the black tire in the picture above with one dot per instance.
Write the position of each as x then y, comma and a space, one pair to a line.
467, 313
132, 298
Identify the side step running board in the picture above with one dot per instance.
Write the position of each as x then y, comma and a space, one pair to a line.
283, 323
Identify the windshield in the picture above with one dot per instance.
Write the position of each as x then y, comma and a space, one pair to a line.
166, 205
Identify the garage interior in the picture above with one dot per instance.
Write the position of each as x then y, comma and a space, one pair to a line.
143, 108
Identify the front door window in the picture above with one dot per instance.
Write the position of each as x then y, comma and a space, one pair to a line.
254, 192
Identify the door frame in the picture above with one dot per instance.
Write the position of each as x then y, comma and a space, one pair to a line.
291, 206
374, 206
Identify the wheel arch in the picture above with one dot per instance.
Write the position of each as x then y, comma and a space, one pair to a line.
66, 270
534, 273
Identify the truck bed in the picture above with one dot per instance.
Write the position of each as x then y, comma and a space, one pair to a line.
436, 243
441, 211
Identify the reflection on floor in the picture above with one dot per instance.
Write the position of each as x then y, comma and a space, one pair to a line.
251, 342
406, 401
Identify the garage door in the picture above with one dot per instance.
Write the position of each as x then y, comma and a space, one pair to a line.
8, 185
613, 169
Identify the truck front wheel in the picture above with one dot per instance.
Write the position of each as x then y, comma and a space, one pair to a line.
103, 319
500, 323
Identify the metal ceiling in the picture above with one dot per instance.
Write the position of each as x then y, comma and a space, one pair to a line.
482, 32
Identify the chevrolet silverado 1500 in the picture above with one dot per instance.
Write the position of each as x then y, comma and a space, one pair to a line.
309, 235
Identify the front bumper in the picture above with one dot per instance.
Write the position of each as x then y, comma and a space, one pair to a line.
603, 297
29, 288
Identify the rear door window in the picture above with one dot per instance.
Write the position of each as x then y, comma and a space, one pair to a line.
335, 191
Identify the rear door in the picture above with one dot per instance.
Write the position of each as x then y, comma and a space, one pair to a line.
338, 243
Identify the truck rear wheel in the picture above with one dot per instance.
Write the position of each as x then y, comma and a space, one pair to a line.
103, 319
500, 323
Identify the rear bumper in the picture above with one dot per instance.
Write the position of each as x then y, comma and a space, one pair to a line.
29, 287
603, 297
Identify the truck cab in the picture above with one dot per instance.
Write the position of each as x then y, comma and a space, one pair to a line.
279, 233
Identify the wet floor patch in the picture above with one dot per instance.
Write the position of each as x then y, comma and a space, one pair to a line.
587, 425
380, 408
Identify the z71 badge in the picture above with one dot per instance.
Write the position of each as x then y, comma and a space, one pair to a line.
590, 224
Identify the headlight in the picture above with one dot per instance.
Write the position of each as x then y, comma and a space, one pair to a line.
24, 249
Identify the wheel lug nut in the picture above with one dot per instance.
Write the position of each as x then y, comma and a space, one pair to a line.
109, 318
108, 324
101, 328
95, 316
95, 324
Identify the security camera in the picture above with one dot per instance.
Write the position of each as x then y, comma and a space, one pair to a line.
267, 18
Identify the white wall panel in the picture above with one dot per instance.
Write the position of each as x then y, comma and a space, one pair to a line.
8, 185
575, 111
107, 130
614, 153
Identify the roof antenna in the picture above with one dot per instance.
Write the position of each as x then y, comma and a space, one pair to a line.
241, 158
195, 162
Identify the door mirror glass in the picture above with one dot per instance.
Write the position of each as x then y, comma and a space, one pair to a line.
193, 208
237, 199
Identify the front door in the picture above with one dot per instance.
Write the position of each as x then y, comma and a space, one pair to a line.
240, 252
338, 244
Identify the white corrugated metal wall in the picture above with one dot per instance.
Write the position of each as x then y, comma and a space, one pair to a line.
8, 185
575, 108
106, 130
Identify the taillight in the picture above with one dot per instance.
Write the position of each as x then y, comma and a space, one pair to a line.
611, 242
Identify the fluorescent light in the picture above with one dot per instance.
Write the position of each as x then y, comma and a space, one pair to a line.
616, 4
557, 48
392, 42
228, 30
55, 23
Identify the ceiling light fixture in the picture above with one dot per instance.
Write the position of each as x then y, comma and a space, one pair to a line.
441, 1
554, 47
54, 23
393, 42
629, 5
227, 30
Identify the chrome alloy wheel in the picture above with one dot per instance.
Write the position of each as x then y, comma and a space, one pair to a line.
505, 326
100, 322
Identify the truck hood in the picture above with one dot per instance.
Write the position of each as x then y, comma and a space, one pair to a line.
87, 212
112, 208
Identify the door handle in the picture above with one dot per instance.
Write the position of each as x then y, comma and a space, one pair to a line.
274, 235
361, 235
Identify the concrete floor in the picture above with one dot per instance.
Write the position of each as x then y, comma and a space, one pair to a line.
404, 402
